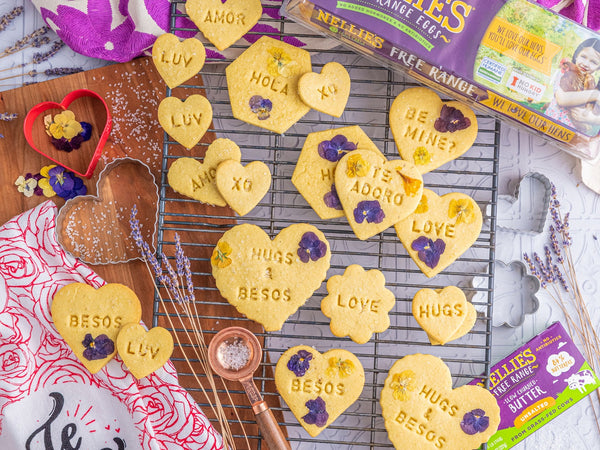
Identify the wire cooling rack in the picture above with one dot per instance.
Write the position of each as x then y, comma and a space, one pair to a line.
373, 90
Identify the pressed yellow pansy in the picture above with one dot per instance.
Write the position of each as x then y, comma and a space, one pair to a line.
65, 126
340, 367
421, 156
279, 62
357, 167
220, 256
462, 209
402, 383
27, 187
411, 185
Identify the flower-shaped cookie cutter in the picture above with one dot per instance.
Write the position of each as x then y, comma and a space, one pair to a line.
41, 108
527, 209
514, 294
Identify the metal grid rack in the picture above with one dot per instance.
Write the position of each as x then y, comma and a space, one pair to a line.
475, 173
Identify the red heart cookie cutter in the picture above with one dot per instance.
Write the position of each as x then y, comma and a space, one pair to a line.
40, 108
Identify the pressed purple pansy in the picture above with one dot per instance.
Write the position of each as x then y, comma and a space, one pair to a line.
300, 362
369, 210
311, 247
65, 183
332, 199
451, 119
475, 422
337, 147
317, 412
260, 106
98, 348
429, 251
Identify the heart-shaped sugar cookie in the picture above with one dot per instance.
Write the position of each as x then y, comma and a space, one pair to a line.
243, 187
440, 312
197, 179
464, 328
185, 121
177, 61
223, 22
376, 193
422, 411
89, 320
328, 91
440, 230
318, 387
269, 280
144, 352
429, 132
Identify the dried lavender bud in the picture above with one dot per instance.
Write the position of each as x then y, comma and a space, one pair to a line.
7, 18
41, 57
39, 41
7, 117
62, 71
25, 42
559, 276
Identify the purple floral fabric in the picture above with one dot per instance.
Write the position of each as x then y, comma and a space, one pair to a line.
576, 10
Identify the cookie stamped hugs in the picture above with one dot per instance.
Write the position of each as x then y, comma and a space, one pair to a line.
269, 280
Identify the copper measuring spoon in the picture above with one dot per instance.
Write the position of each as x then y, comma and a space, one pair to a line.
217, 358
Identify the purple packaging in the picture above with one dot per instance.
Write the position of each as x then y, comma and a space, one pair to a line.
536, 383
512, 58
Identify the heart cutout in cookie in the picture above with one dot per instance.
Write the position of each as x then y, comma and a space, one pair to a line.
223, 22
96, 228
422, 411
177, 61
144, 352
429, 132
89, 320
317, 387
440, 230
440, 312
95, 108
185, 121
327, 91
243, 187
196, 179
376, 193
268, 280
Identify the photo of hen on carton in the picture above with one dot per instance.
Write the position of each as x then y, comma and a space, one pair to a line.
536, 383
512, 58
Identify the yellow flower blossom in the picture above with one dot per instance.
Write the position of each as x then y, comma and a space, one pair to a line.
422, 156
340, 367
279, 62
462, 209
423, 206
402, 383
357, 167
27, 187
220, 256
411, 185
44, 183
65, 126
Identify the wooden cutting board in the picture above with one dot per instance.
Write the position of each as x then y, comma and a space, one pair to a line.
133, 92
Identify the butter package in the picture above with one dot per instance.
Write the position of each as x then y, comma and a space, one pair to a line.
536, 383
512, 58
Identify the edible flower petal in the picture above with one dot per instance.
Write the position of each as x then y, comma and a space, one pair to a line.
357, 166
451, 119
337, 147
261, 106
26, 185
311, 247
421, 156
317, 412
220, 256
429, 251
98, 348
300, 362
340, 367
369, 210
475, 422
332, 199
462, 209
402, 383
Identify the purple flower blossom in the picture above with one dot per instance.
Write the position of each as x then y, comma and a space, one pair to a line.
429, 251
332, 199
369, 210
261, 106
37, 177
451, 119
65, 183
300, 362
337, 147
98, 348
475, 422
317, 414
311, 247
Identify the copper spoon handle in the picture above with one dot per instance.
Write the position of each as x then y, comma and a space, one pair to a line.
265, 419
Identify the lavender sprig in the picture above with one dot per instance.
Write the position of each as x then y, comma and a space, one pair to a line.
39, 57
7, 117
25, 42
7, 18
59, 71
